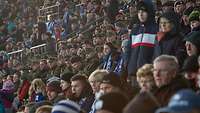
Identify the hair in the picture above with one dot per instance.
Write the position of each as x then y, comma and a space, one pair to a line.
171, 60
84, 80
98, 75
145, 71
199, 60
35, 84
44, 109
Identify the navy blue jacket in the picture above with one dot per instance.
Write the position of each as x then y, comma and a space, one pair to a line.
142, 42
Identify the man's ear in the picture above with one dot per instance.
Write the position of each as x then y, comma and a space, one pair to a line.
173, 73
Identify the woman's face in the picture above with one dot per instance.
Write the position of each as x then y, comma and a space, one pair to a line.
146, 83
165, 25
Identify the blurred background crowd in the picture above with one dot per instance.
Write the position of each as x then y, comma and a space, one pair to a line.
99, 56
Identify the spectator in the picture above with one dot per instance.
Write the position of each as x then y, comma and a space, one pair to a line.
165, 72
192, 44
194, 20
190, 69
179, 7
67, 106
82, 92
7, 95
141, 51
145, 78
113, 60
44, 109
144, 102
176, 103
169, 39
65, 84
54, 91
37, 91
28, 107
95, 80
110, 83
112, 102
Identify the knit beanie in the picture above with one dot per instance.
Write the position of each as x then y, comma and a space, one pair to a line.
66, 106
54, 86
194, 38
194, 16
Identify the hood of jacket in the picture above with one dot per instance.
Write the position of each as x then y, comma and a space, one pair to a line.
147, 5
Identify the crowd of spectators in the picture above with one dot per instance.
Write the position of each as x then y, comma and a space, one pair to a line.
102, 56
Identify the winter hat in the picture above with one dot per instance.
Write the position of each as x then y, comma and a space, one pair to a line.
112, 79
173, 18
8, 85
194, 38
142, 6
54, 78
194, 16
183, 101
54, 86
191, 64
179, 2
66, 106
113, 102
66, 76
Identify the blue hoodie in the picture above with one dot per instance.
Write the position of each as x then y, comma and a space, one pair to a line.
142, 40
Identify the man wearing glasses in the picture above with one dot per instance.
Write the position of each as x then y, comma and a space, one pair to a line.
167, 79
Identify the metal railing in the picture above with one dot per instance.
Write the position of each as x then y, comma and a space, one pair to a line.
45, 12
36, 50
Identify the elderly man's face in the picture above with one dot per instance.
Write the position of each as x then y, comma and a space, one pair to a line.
162, 73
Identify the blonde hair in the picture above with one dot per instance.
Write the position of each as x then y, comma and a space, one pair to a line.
44, 109
145, 71
98, 75
37, 84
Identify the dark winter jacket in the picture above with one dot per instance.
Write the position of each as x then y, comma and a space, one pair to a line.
171, 43
164, 93
142, 44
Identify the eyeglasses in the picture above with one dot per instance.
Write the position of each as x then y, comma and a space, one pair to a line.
162, 71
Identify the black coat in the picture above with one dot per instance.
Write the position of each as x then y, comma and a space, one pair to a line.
171, 44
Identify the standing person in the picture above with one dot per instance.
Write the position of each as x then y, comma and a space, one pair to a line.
142, 39
169, 39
